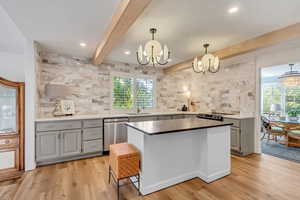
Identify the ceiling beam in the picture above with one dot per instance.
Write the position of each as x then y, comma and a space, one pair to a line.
265, 40
126, 14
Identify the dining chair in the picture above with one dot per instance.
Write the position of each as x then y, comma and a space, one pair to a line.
293, 136
273, 129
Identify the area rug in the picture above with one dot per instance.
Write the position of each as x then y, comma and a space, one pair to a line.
281, 151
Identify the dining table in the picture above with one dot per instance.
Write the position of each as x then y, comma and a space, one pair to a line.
286, 122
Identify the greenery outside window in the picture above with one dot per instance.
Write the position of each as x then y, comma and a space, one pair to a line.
275, 93
292, 99
130, 93
271, 94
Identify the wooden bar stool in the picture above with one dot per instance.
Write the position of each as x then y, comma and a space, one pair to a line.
124, 162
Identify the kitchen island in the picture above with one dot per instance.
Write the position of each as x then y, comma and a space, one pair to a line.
173, 151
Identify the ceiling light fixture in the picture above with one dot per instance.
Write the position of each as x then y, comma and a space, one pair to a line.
291, 78
233, 10
127, 52
208, 62
153, 53
82, 44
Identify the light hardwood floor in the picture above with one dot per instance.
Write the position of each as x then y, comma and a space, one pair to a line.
253, 177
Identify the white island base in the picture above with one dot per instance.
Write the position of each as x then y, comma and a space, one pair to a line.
171, 158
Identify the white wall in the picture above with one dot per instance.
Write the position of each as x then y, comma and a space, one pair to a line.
17, 63
30, 114
12, 66
283, 53
21, 68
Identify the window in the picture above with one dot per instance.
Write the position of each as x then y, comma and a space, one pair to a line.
292, 99
274, 93
144, 94
123, 92
132, 92
271, 94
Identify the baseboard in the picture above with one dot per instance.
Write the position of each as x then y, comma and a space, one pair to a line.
65, 159
179, 179
214, 176
167, 183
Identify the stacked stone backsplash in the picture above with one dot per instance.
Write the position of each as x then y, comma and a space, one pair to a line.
90, 85
232, 89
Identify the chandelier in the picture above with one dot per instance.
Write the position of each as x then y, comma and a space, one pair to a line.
291, 78
153, 53
208, 62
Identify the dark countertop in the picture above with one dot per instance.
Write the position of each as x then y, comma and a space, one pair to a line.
174, 125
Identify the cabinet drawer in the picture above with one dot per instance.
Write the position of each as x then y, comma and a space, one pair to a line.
235, 122
52, 126
92, 133
92, 123
92, 146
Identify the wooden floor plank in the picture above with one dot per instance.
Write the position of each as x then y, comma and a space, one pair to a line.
253, 177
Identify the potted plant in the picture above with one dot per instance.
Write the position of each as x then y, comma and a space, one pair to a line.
293, 115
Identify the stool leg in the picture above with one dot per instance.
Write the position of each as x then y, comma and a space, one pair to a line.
118, 187
109, 175
139, 184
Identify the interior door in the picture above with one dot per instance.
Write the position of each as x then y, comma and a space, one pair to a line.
11, 129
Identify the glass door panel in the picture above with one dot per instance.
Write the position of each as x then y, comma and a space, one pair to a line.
9, 158
8, 110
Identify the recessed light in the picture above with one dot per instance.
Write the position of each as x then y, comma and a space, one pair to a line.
233, 10
82, 44
127, 52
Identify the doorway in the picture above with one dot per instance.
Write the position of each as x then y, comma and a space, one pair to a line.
280, 112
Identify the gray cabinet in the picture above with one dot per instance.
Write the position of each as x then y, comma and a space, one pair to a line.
235, 138
70, 142
56, 126
47, 145
242, 135
92, 133
92, 146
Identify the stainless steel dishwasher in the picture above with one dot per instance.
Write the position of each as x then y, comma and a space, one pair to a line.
115, 131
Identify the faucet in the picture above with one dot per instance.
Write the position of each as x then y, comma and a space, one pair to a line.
138, 110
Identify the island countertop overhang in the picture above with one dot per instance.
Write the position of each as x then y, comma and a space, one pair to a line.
175, 125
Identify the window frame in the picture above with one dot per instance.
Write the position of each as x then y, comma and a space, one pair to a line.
134, 77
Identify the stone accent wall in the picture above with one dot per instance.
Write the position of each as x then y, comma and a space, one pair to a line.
90, 85
232, 89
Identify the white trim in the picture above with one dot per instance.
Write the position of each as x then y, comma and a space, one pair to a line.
213, 177
166, 183
30, 103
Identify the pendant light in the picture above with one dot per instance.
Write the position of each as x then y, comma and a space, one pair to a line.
153, 53
208, 62
291, 78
